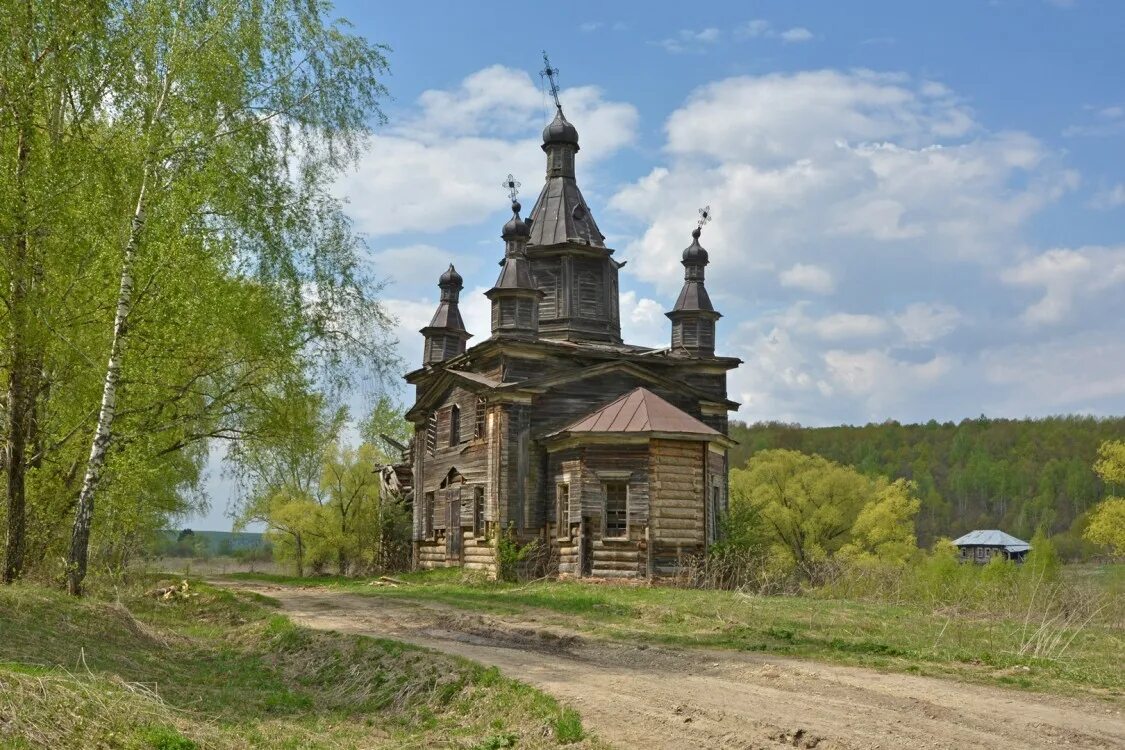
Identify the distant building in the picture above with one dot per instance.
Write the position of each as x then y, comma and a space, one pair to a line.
982, 545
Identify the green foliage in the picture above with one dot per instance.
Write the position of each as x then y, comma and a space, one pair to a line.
1107, 525
1016, 475
568, 727
807, 509
511, 555
206, 138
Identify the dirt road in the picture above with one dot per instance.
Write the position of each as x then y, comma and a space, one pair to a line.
638, 697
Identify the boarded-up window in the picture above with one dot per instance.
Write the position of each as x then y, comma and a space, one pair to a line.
431, 434
616, 510
478, 511
589, 288
562, 511
454, 425
478, 418
525, 312
547, 279
507, 312
428, 516
706, 334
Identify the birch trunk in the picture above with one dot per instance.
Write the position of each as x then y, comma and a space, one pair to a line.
84, 515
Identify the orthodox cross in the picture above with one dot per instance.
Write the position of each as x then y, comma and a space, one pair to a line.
704, 216
550, 74
512, 185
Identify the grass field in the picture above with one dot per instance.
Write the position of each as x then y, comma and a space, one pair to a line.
220, 670
901, 637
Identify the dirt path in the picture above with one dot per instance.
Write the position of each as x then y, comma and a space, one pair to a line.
638, 697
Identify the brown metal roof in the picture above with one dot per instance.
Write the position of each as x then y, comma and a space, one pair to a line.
640, 410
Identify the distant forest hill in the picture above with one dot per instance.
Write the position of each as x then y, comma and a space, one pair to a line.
1012, 474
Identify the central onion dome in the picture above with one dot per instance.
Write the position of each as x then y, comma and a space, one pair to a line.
694, 253
560, 130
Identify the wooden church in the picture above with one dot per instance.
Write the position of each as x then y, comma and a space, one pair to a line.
613, 456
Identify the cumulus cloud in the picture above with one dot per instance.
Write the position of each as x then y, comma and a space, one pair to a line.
923, 322
759, 28
440, 165
1063, 275
807, 277
690, 40
870, 233
796, 34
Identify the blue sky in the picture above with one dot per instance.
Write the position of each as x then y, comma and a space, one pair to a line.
919, 207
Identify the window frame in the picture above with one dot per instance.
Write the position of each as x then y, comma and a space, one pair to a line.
479, 419
478, 512
454, 426
606, 484
562, 510
428, 503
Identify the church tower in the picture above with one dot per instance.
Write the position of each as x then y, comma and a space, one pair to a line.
693, 316
514, 297
446, 334
569, 260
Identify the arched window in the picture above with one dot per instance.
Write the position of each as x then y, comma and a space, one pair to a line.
455, 425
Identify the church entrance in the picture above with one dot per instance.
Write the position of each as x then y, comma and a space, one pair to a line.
454, 536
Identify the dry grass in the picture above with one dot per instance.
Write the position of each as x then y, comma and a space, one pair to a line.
225, 671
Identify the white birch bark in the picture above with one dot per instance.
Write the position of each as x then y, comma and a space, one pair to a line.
103, 433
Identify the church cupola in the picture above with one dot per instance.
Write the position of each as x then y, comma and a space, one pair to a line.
446, 334
693, 317
514, 297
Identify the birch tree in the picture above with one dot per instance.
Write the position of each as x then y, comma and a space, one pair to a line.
242, 113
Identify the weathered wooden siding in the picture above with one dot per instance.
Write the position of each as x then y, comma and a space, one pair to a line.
678, 501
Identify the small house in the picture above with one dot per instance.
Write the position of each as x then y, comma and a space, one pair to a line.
982, 545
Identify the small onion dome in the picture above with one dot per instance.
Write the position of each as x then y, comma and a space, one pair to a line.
560, 131
516, 227
694, 253
450, 278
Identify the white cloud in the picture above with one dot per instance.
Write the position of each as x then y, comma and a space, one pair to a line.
441, 165
1064, 275
881, 378
643, 321
840, 326
690, 40
808, 277
810, 167
590, 26
923, 322
1110, 198
796, 34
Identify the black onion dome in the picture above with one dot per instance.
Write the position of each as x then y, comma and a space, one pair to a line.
560, 130
516, 227
451, 278
694, 253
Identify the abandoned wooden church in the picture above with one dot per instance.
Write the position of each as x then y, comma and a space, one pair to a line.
613, 456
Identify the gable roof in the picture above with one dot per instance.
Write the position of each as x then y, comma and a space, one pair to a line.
640, 410
552, 380
992, 538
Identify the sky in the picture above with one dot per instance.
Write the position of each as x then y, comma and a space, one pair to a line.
919, 208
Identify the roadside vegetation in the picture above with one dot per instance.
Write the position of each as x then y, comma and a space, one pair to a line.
208, 668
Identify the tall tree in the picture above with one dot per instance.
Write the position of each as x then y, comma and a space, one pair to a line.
242, 112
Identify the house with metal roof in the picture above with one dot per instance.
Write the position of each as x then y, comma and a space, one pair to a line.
982, 545
613, 456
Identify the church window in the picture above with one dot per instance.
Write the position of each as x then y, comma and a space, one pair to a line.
616, 510
589, 291
478, 418
478, 512
428, 516
431, 434
454, 426
562, 511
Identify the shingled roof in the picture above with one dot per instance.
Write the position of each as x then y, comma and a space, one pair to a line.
992, 538
640, 410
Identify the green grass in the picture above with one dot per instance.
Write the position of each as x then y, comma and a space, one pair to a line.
223, 670
900, 637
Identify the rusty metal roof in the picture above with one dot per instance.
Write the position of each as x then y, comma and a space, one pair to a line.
640, 410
